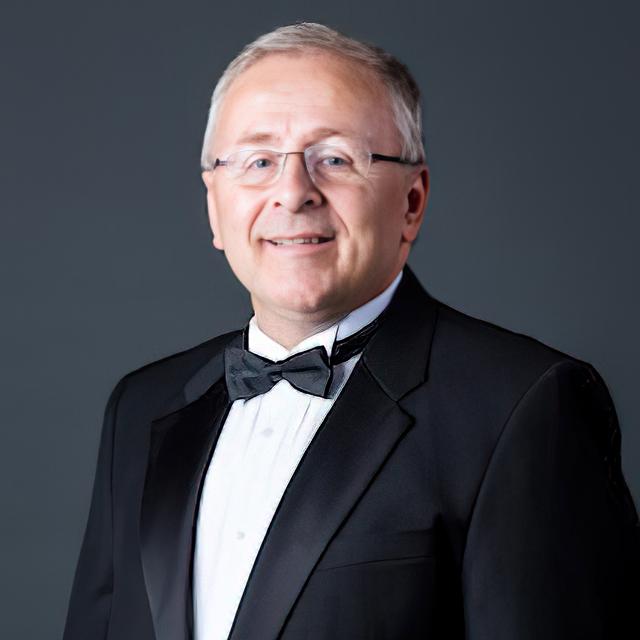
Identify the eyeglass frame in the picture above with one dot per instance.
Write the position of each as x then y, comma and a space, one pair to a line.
372, 157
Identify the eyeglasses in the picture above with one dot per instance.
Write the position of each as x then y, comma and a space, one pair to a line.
325, 163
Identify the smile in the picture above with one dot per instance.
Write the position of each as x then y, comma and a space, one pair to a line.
285, 241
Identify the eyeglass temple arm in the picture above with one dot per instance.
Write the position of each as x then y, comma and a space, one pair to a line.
380, 156
210, 166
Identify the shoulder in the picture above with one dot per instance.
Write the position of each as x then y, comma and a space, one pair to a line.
479, 373
149, 387
468, 348
520, 401
490, 389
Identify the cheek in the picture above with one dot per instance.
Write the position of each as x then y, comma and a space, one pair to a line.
371, 219
235, 220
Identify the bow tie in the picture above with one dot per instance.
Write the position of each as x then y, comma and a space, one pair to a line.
248, 375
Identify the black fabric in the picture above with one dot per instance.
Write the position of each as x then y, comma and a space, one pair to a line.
346, 348
248, 374
466, 484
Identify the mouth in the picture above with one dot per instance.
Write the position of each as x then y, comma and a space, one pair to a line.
305, 240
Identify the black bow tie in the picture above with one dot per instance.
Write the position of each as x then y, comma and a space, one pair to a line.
248, 375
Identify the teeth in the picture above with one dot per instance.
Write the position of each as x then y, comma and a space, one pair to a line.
297, 241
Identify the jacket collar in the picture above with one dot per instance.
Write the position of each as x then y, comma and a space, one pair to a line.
330, 478
398, 353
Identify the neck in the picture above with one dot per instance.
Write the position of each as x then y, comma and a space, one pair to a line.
290, 331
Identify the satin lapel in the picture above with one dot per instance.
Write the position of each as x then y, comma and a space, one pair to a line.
348, 449
181, 444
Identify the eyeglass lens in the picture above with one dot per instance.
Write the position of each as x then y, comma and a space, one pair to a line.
325, 163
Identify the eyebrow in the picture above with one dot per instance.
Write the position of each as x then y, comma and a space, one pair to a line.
264, 137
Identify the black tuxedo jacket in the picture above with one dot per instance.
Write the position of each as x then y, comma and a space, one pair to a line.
465, 484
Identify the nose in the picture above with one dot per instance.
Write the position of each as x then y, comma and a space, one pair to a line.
294, 189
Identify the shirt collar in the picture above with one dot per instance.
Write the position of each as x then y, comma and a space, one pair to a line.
261, 344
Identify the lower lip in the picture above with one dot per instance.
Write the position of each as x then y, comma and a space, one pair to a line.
300, 248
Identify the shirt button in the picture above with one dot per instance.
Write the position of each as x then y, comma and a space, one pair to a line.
267, 432
240, 535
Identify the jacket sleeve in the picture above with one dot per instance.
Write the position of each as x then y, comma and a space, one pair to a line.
553, 544
90, 601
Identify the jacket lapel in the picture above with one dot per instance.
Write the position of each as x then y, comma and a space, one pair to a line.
181, 443
333, 473
347, 451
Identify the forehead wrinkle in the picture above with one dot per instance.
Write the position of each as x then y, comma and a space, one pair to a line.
320, 86
287, 96
321, 133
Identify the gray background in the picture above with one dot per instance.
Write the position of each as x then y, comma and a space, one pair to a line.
531, 121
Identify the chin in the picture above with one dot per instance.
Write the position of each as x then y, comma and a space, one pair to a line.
302, 297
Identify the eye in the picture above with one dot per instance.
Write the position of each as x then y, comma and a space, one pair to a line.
257, 161
260, 163
334, 160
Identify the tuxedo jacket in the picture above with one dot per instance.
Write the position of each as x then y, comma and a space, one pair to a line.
465, 484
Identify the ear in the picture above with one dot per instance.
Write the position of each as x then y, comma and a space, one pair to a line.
417, 194
207, 178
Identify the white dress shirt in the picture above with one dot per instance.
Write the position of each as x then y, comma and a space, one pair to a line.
259, 448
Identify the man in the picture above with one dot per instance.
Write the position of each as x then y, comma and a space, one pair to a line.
360, 460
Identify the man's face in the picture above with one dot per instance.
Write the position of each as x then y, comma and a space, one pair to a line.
369, 224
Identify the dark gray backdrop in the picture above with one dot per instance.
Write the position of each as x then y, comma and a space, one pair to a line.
532, 135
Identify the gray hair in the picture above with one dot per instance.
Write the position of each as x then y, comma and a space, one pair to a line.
402, 89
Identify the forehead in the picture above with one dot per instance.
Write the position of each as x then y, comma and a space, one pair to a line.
301, 98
